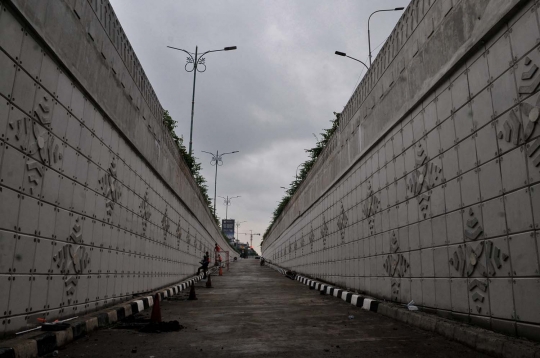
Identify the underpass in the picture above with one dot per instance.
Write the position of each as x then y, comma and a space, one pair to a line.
427, 191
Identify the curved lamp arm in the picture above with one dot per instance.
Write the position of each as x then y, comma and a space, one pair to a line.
339, 53
230, 48
394, 9
190, 59
212, 154
369, 35
236, 151
215, 158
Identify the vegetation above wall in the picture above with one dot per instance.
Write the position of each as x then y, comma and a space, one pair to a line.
191, 161
305, 168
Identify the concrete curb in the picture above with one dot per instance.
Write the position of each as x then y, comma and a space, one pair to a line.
480, 339
364, 302
42, 343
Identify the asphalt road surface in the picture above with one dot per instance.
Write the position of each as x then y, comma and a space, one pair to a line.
254, 311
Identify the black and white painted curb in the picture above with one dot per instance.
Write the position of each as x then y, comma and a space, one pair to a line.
48, 342
354, 299
482, 340
277, 268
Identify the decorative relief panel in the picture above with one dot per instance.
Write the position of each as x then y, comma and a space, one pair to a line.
165, 224
178, 234
72, 259
530, 80
484, 257
423, 179
33, 138
370, 208
342, 223
324, 231
311, 237
111, 188
145, 212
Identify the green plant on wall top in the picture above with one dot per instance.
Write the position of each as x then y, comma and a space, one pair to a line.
305, 168
191, 161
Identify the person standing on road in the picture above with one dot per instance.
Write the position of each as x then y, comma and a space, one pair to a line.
204, 264
217, 249
218, 260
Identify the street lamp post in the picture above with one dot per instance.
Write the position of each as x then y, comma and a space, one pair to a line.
251, 238
339, 53
195, 62
217, 161
238, 228
227, 202
369, 36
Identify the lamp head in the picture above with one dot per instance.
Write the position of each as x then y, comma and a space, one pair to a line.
230, 48
341, 53
399, 8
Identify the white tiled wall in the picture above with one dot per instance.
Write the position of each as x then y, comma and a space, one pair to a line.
84, 220
444, 208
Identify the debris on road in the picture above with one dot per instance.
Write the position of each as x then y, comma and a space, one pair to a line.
291, 275
145, 325
411, 306
152, 327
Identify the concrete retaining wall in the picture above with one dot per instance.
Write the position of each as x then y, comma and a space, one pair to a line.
96, 204
430, 190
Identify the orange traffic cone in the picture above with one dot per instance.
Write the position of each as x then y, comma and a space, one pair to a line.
209, 281
192, 295
156, 310
220, 271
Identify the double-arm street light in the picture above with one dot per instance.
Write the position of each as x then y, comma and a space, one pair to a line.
368, 33
195, 62
217, 161
227, 202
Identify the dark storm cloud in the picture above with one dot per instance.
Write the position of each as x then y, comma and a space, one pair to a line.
264, 99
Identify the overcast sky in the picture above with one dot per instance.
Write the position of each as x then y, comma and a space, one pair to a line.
265, 99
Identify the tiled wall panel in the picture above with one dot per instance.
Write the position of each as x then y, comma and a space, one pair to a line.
85, 220
446, 198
